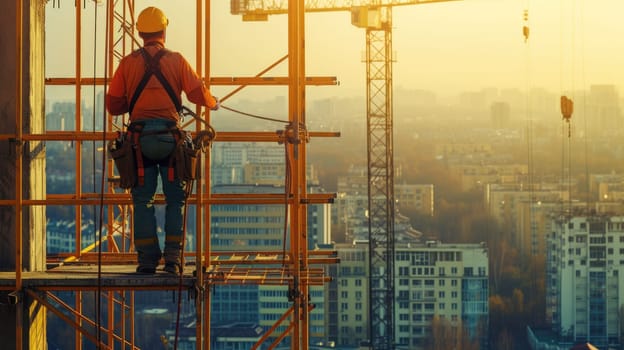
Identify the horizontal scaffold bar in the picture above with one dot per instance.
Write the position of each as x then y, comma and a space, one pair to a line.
316, 81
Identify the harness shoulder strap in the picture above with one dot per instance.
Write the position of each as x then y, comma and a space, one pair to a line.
152, 67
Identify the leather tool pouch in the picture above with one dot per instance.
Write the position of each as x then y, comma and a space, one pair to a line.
122, 151
186, 156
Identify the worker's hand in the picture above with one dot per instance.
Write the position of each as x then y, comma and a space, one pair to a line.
216, 107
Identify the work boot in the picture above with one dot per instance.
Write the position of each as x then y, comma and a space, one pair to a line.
173, 258
147, 262
172, 268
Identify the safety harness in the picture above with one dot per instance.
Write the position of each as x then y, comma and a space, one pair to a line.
135, 129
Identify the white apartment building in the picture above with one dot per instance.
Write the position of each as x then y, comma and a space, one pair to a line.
432, 279
583, 285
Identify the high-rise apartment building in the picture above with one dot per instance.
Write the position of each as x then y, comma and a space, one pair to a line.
583, 285
432, 279
251, 163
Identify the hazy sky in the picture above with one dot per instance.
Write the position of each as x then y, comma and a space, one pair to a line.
445, 47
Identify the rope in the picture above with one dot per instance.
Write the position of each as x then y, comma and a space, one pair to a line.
101, 211
187, 192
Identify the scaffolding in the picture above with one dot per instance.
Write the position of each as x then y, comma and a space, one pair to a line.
106, 266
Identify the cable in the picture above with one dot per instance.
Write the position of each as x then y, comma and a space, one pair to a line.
287, 184
587, 182
255, 115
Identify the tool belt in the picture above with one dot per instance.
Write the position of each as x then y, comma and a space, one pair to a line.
130, 160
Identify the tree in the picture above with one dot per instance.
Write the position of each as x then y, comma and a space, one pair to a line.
447, 335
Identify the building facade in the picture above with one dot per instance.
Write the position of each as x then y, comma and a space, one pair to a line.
432, 279
584, 286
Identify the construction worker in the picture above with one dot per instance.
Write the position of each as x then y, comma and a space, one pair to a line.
148, 84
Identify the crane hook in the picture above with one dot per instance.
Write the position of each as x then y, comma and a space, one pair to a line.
525, 28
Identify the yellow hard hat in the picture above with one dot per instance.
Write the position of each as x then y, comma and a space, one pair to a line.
151, 20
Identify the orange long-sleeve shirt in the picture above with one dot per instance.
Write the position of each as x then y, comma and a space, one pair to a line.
154, 102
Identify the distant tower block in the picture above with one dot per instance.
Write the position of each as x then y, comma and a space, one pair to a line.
499, 113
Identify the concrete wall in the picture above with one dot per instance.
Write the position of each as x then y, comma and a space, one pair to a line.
33, 162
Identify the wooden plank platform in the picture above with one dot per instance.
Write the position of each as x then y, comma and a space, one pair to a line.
85, 277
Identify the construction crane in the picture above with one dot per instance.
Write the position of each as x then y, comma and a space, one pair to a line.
375, 16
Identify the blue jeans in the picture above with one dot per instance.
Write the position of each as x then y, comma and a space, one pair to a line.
145, 238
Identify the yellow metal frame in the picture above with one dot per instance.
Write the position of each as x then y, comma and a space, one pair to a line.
297, 267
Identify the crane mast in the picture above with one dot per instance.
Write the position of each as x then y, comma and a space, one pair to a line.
375, 16
380, 164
